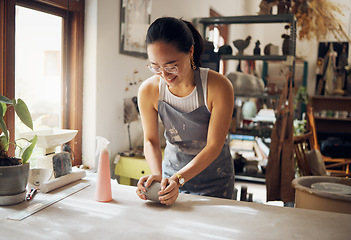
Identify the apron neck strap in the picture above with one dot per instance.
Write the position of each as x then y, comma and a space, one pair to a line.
198, 83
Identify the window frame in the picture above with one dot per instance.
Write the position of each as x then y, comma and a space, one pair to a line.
72, 61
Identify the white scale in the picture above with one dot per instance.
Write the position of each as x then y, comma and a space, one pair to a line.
20, 215
49, 140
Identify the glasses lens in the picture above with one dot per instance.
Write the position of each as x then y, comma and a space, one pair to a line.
154, 69
172, 70
157, 70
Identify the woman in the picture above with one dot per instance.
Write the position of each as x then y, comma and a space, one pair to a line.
195, 106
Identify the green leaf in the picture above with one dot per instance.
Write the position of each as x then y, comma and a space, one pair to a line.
23, 113
28, 152
3, 108
4, 143
4, 99
4, 129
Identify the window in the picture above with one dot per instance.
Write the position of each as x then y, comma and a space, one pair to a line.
53, 88
38, 75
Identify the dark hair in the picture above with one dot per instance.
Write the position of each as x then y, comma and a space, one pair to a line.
182, 34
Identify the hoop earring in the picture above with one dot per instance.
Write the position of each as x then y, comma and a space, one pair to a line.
192, 63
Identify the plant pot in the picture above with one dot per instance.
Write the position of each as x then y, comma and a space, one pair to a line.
13, 183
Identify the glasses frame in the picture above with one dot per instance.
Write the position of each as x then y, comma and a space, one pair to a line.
166, 69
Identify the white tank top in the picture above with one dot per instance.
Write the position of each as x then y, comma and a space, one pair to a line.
188, 103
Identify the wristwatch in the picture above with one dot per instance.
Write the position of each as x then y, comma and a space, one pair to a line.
181, 180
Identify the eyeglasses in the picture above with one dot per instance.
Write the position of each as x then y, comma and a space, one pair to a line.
158, 70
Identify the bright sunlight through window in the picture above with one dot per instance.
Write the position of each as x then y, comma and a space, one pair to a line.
38, 69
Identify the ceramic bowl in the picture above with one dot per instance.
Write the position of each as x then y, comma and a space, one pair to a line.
38, 176
152, 191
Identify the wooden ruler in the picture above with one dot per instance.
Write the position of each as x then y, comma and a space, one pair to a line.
20, 215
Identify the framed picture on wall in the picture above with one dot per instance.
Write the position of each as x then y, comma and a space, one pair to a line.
135, 20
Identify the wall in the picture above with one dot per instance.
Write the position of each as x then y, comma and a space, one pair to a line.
106, 75
107, 72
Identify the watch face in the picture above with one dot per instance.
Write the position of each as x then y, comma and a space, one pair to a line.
181, 181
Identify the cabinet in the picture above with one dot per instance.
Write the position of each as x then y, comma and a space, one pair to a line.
332, 119
331, 114
129, 168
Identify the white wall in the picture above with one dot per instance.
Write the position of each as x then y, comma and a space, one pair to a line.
107, 72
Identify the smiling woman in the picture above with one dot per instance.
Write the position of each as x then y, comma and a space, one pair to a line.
195, 105
52, 83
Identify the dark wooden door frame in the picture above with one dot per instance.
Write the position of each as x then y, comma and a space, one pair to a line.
72, 64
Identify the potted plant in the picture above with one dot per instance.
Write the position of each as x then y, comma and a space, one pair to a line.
14, 170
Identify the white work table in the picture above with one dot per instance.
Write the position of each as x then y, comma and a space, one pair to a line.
79, 216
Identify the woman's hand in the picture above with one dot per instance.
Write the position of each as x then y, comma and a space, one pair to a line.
148, 179
169, 191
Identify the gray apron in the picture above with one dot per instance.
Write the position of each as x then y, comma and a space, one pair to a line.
186, 136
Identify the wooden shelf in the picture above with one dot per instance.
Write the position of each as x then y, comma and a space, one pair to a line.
333, 125
263, 96
333, 119
250, 19
260, 178
254, 57
331, 103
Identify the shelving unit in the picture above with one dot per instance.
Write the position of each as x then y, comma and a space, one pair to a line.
248, 19
255, 19
254, 57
